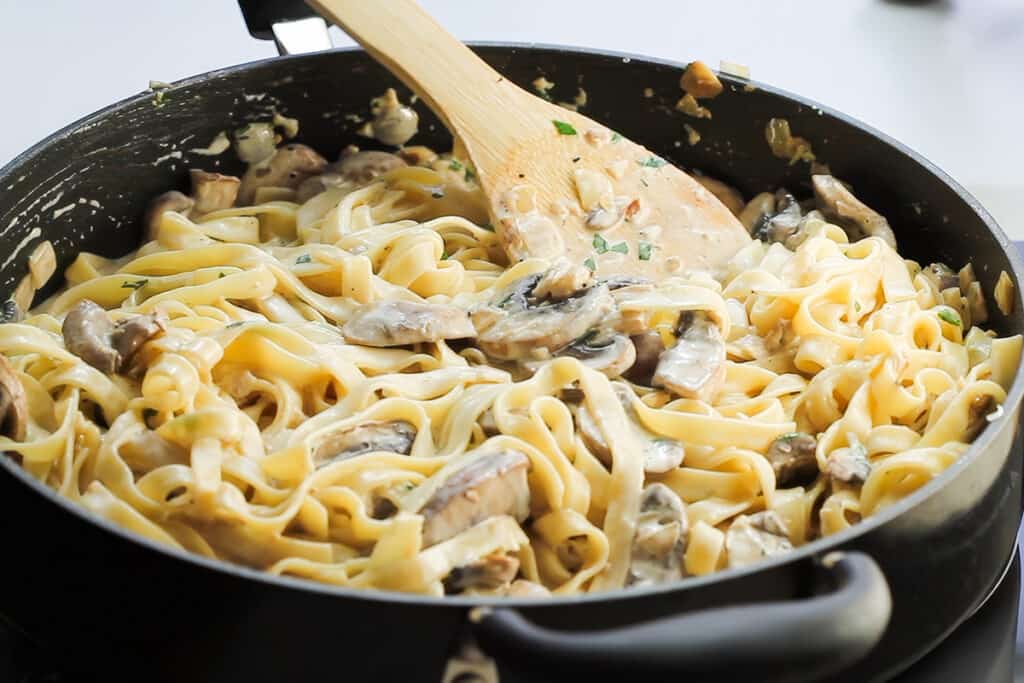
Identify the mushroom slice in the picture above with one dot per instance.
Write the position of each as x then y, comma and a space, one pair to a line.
362, 167
839, 204
547, 328
488, 485
649, 347
659, 544
395, 436
941, 277
213, 191
695, 366
516, 297
91, 335
752, 538
488, 573
87, 329
661, 454
288, 167
161, 204
13, 403
611, 354
397, 323
783, 223
793, 460
10, 312
562, 280
393, 123
849, 465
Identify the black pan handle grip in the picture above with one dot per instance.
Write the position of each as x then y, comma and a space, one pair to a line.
772, 641
261, 15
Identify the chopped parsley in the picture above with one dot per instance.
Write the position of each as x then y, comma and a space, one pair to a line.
950, 317
456, 165
469, 175
621, 248
589, 263
616, 137
305, 258
653, 162
645, 249
600, 244
136, 285
856, 306
445, 256
563, 128
788, 436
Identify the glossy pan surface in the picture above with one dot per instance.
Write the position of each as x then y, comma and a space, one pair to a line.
110, 604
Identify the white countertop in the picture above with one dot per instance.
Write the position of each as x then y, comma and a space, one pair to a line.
943, 77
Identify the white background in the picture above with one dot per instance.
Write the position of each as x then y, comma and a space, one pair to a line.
945, 77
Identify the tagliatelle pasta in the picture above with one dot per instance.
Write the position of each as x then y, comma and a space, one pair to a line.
812, 386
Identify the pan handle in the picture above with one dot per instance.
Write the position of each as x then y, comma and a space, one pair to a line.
771, 641
291, 24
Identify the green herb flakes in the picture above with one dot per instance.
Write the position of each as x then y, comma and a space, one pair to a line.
600, 244
589, 263
469, 175
616, 137
456, 165
305, 258
950, 316
653, 162
621, 248
644, 249
564, 128
136, 284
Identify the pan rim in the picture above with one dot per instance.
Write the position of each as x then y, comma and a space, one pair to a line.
802, 554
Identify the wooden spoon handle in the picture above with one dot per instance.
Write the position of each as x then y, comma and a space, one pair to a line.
459, 86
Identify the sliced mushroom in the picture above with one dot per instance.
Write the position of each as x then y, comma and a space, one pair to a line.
488, 573
161, 204
288, 167
418, 155
10, 312
397, 323
850, 464
661, 454
782, 223
546, 328
13, 403
793, 460
649, 347
839, 204
213, 191
395, 436
727, 194
756, 209
91, 335
981, 406
362, 167
516, 297
488, 485
752, 538
393, 123
609, 353
314, 185
659, 545
941, 277
695, 366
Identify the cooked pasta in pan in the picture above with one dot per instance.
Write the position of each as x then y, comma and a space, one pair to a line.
332, 371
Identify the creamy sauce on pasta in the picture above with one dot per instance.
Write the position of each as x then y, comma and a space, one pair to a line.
284, 409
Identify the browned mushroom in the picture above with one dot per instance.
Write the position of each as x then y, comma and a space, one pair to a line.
397, 323
488, 485
546, 328
793, 460
752, 538
288, 167
649, 347
838, 204
603, 351
488, 573
362, 167
396, 436
213, 191
393, 123
659, 545
13, 403
695, 366
90, 334
161, 204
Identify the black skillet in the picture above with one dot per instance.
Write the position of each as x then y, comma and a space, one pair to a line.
108, 605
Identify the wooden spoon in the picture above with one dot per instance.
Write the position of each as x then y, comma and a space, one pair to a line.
557, 182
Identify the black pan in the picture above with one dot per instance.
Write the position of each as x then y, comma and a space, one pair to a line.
109, 605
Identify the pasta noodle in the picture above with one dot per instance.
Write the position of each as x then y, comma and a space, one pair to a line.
219, 432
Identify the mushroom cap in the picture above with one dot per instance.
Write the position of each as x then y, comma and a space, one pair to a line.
13, 402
